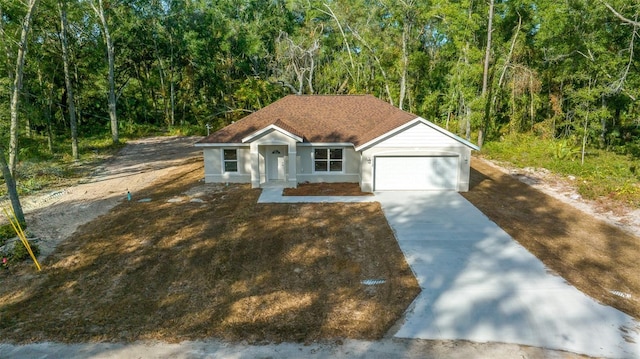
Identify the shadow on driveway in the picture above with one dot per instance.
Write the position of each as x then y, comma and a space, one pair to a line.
479, 284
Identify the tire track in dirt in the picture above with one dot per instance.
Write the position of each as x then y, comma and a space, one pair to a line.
55, 216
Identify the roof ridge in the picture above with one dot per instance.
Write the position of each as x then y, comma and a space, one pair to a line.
287, 127
330, 95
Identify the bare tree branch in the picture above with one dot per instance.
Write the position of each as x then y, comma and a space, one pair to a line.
634, 23
294, 63
346, 43
375, 57
617, 85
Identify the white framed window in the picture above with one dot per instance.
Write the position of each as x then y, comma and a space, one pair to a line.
328, 159
230, 160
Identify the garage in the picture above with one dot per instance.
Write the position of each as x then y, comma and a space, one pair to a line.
415, 173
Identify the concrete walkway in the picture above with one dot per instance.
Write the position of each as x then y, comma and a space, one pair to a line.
479, 284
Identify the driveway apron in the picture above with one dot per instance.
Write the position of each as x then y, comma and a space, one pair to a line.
479, 284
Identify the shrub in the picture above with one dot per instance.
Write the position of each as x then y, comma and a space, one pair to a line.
20, 253
6, 232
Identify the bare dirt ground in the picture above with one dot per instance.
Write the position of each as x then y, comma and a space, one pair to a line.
53, 217
184, 260
605, 251
326, 189
563, 189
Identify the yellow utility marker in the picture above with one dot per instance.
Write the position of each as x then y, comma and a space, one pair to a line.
18, 229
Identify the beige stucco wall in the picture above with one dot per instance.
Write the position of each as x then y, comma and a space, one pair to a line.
351, 166
214, 170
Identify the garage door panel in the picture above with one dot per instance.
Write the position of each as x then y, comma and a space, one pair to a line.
416, 173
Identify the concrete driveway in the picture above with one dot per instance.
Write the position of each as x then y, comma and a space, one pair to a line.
479, 284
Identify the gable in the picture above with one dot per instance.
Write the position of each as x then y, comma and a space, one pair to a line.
418, 133
275, 131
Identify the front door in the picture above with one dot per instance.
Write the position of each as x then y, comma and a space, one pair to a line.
276, 163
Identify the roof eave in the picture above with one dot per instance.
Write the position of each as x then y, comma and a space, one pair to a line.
219, 144
263, 131
398, 129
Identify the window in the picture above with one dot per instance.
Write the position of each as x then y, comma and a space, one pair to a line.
328, 159
230, 160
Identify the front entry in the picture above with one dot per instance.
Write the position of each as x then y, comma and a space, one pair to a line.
276, 163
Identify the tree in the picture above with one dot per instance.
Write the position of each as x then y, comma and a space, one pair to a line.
295, 64
485, 78
17, 74
104, 26
62, 9
11, 187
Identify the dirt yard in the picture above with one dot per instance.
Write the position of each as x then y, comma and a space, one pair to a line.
186, 260
168, 265
54, 216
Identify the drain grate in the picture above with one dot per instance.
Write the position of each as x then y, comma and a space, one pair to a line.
620, 294
373, 281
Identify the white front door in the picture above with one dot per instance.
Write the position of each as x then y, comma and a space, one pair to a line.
276, 163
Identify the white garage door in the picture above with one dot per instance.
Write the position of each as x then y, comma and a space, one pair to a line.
416, 173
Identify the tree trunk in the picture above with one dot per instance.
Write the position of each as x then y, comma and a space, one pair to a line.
99, 10
17, 86
62, 9
344, 37
485, 79
584, 137
11, 187
405, 63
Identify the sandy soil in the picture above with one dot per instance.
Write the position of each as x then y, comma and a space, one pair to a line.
55, 216
564, 189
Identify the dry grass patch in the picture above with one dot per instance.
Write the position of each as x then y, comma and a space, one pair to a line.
223, 267
595, 257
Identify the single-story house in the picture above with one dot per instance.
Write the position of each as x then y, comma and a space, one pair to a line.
337, 138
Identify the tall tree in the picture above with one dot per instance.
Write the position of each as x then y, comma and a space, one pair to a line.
104, 26
485, 78
62, 10
17, 74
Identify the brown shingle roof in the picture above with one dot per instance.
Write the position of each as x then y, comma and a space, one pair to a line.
353, 119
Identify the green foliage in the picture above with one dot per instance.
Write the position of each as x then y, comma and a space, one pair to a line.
604, 174
20, 253
6, 232
566, 150
187, 130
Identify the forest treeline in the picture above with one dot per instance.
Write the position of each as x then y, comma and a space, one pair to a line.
563, 69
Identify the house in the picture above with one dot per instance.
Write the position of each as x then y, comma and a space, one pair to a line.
339, 138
